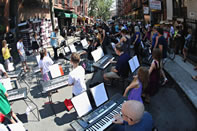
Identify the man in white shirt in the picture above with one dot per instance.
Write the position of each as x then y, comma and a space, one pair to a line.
21, 51
2, 71
77, 76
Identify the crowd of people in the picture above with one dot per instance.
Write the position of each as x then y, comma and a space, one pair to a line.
126, 36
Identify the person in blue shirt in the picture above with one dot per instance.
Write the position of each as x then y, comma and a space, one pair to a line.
54, 43
137, 40
133, 118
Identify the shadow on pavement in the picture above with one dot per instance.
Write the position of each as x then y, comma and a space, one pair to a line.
47, 110
66, 118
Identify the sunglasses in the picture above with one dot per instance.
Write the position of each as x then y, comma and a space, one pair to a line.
123, 115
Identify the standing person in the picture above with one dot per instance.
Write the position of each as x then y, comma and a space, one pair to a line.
21, 51
139, 83
154, 78
187, 44
44, 63
77, 76
161, 43
35, 45
5, 105
137, 41
153, 36
54, 43
133, 118
6, 53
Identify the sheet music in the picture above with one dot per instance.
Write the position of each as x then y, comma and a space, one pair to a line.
97, 54
84, 42
72, 48
16, 127
82, 104
7, 83
134, 63
55, 71
97, 92
10, 67
66, 49
38, 58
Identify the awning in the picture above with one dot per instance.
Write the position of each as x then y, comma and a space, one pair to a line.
74, 15
66, 15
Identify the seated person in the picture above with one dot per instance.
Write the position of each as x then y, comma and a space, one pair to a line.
139, 83
44, 63
5, 105
92, 46
133, 118
77, 75
3, 72
122, 66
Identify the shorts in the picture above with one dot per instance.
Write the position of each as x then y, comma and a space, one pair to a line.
23, 57
47, 76
112, 75
7, 61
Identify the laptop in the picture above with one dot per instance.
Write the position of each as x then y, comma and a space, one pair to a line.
84, 43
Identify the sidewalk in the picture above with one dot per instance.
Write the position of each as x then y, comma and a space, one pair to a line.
181, 72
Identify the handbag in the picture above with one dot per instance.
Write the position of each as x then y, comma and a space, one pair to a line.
68, 104
2, 117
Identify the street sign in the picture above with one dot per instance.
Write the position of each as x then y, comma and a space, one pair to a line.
155, 5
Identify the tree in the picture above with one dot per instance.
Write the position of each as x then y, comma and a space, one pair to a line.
100, 8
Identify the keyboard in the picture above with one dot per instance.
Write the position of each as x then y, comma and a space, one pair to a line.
102, 117
54, 84
17, 94
103, 62
13, 74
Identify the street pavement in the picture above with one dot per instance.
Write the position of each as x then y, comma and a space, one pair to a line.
170, 108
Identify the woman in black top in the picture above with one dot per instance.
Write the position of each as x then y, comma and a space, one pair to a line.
35, 45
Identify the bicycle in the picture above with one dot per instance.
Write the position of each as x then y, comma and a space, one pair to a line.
170, 55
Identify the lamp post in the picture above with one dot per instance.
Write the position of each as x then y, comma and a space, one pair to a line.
52, 13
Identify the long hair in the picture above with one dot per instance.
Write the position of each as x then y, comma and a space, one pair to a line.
157, 55
143, 76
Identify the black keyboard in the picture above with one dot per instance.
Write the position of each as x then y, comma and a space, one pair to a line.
103, 62
54, 84
101, 118
17, 94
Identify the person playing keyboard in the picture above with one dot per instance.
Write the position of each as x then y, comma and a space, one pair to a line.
77, 75
122, 66
133, 118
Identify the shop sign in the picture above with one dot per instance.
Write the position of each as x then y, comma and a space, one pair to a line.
155, 5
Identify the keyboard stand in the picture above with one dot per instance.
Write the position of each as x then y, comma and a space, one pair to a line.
36, 107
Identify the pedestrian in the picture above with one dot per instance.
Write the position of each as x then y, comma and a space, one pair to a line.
6, 54
162, 44
188, 40
139, 84
21, 51
54, 43
35, 45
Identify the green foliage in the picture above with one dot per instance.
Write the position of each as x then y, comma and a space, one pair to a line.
100, 8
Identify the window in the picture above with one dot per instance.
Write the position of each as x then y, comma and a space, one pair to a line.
56, 2
68, 2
